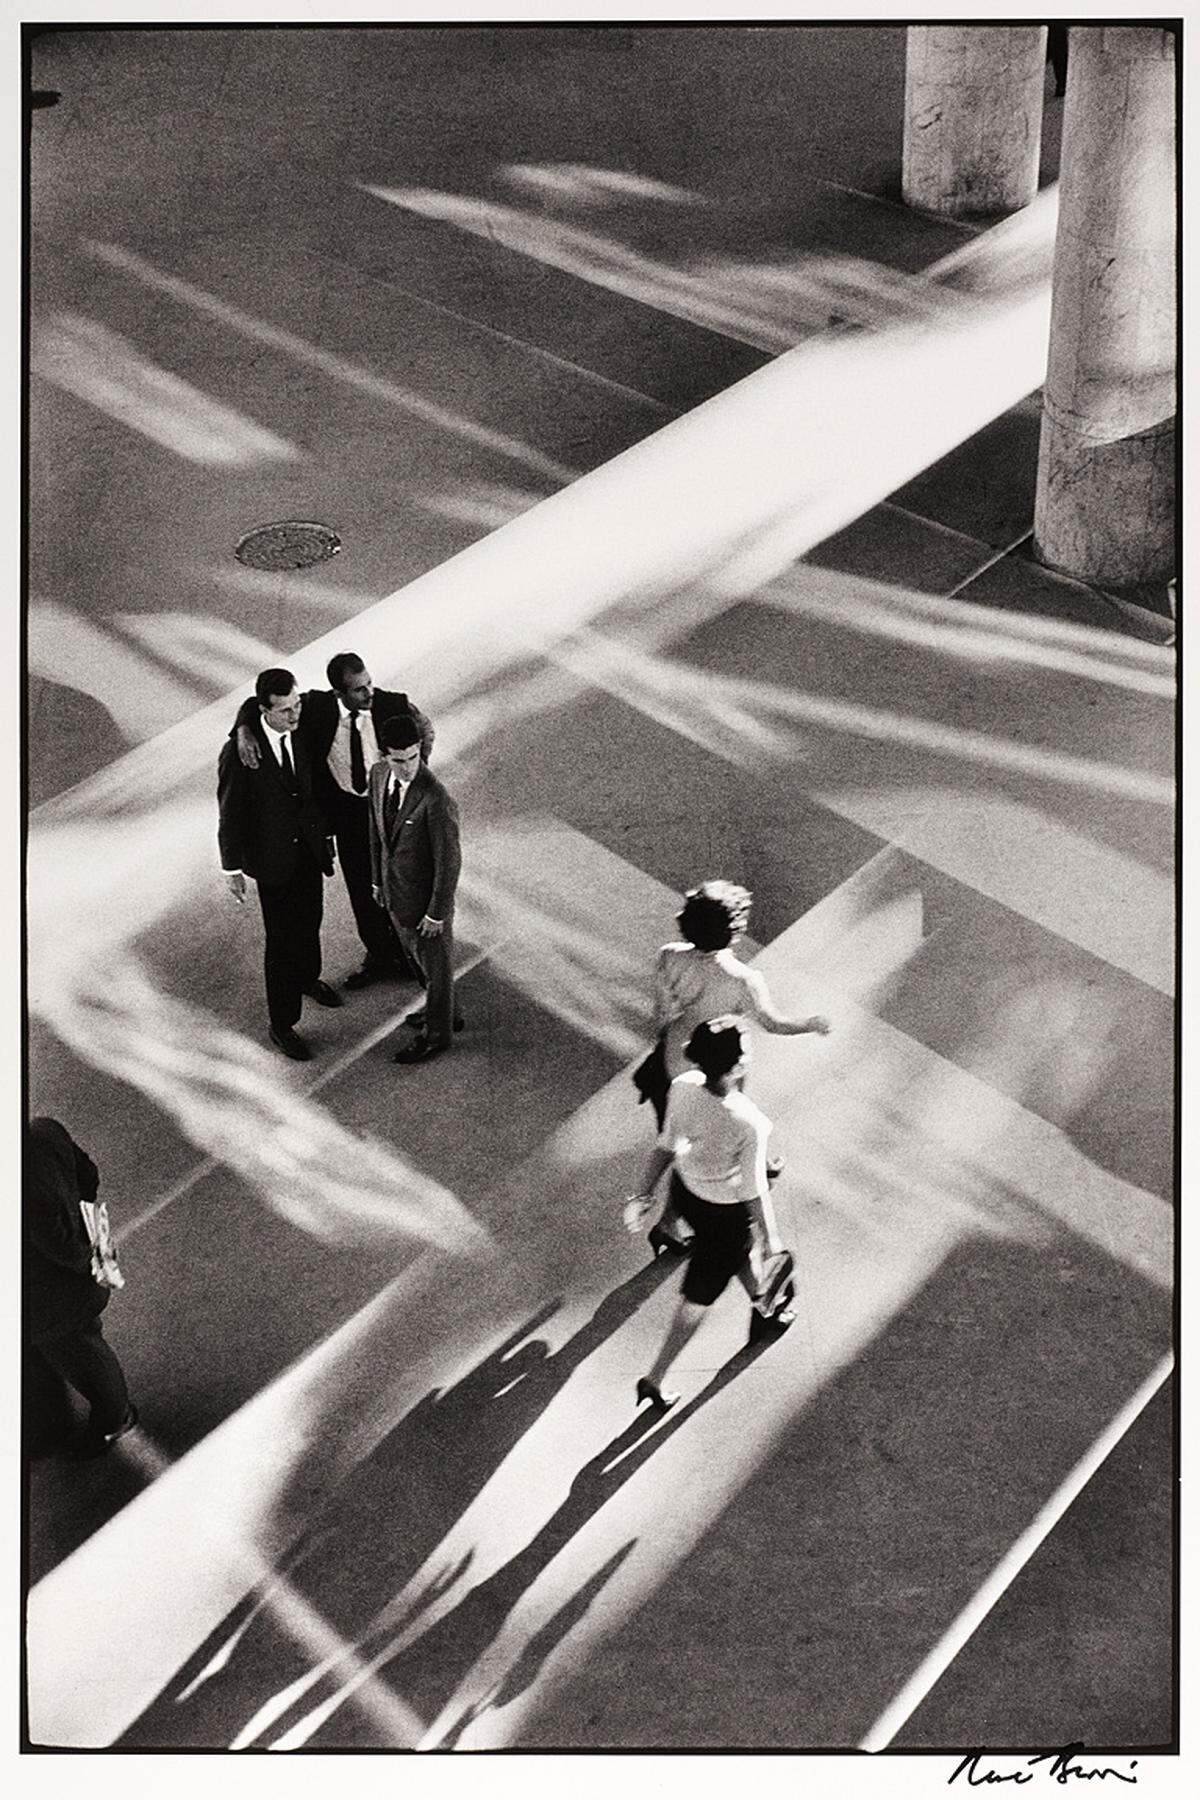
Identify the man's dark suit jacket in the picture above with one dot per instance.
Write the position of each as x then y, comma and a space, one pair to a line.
262, 822
60, 1294
319, 722
416, 863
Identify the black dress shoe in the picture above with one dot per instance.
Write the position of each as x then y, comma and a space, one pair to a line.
421, 1050
292, 1044
323, 994
98, 1443
764, 1330
368, 975
416, 1021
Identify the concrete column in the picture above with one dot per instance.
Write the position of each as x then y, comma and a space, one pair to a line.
1105, 508
973, 117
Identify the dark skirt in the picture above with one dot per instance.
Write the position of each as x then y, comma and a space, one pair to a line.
721, 1243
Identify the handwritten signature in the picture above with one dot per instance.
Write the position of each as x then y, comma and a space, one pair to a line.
1058, 1765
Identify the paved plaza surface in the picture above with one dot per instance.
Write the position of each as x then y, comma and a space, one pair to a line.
686, 478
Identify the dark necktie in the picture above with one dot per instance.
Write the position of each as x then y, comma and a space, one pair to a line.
358, 763
391, 804
285, 763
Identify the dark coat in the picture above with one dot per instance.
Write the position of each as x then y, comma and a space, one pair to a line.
263, 824
319, 722
416, 863
60, 1293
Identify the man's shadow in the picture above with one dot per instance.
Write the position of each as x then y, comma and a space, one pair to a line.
429, 1668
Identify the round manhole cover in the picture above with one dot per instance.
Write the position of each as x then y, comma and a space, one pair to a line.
292, 544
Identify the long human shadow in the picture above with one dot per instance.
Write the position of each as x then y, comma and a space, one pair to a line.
428, 1670
376, 1529
536, 1652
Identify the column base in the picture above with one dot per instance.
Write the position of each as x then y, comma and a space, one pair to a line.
1105, 512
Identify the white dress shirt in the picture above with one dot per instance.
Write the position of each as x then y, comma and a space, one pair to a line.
339, 750
275, 739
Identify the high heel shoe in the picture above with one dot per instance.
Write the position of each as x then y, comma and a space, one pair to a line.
646, 1390
763, 1330
663, 1244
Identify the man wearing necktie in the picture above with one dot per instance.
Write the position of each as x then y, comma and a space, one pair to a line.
273, 829
339, 731
415, 862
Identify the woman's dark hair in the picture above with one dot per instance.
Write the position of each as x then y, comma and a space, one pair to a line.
716, 1046
714, 914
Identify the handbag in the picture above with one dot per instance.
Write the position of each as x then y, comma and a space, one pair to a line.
106, 1270
650, 1077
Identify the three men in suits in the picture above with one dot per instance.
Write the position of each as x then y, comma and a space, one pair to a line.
339, 729
415, 862
272, 828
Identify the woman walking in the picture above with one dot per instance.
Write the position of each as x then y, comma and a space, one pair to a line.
716, 1140
700, 979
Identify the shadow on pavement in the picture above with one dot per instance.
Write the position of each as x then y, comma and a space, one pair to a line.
421, 1478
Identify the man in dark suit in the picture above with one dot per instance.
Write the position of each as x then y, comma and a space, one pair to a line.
415, 862
338, 728
273, 829
65, 1344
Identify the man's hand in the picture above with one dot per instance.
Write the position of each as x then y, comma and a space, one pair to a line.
237, 886
247, 747
430, 927
376, 893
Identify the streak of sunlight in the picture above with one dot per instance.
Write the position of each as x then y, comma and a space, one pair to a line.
222, 1092
1117, 904
97, 365
746, 719
570, 924
769, 306
485, 503
934, 1665
202, 645
337, 368
588, 185
781, 460
980, 634
65, 646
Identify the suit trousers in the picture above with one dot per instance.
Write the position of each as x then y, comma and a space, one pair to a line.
291, 913
85, 1362
434, 957
352, 830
